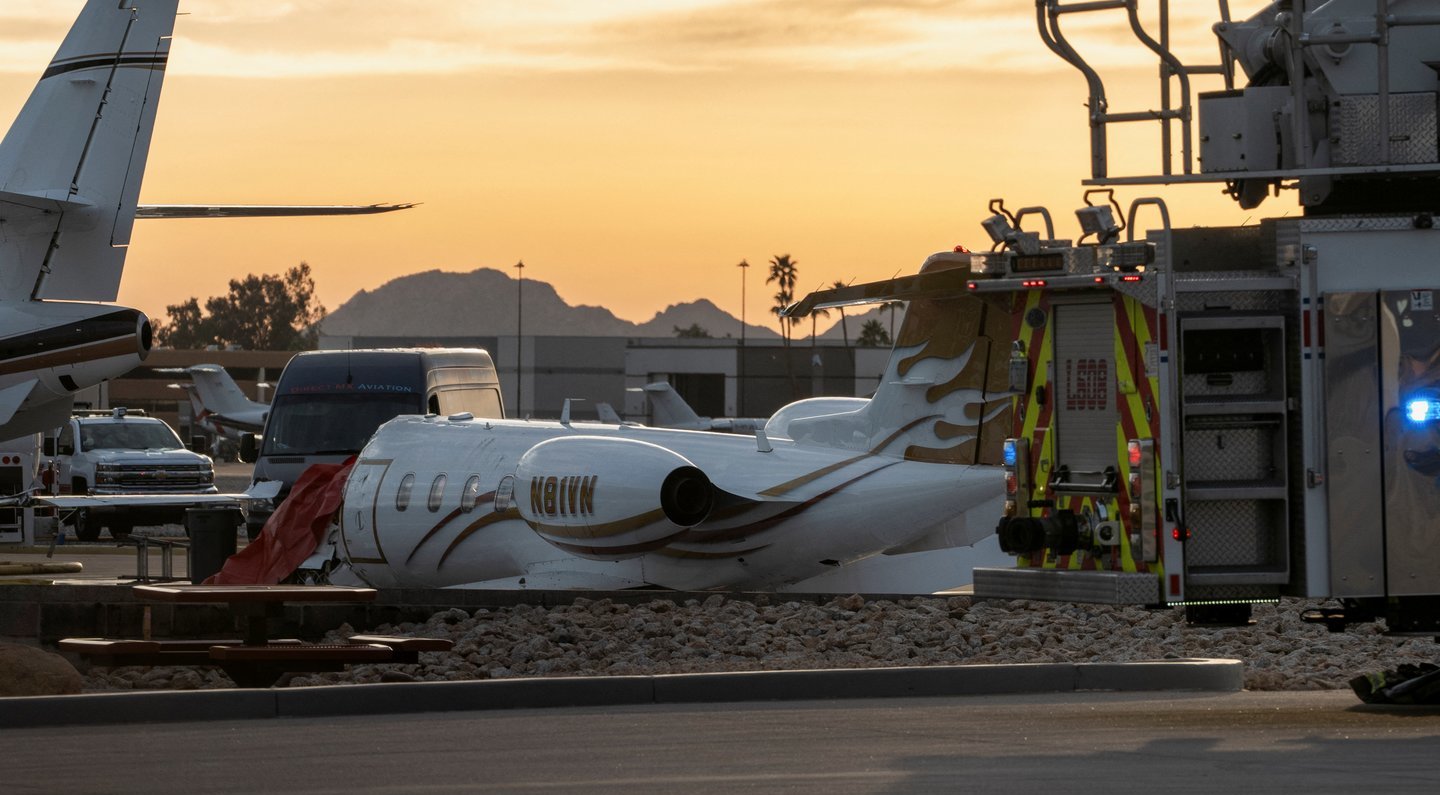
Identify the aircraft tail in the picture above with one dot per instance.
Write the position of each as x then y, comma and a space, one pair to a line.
72, 161
217, 390
669, 410
945, 396
198, 413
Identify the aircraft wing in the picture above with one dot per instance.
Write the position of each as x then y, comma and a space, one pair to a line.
259, 491
11, 397
262, 210
935, 284
136, 500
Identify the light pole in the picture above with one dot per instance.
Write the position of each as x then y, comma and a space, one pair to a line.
519, 332
744, 267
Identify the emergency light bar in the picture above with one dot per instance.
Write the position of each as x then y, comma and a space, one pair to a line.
1422, 409
1006, 285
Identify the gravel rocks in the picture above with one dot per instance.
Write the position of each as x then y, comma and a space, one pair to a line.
598, 638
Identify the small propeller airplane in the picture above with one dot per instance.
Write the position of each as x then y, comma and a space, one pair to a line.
461, 501
71, 165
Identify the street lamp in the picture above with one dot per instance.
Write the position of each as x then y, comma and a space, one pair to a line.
519, 332
744, 267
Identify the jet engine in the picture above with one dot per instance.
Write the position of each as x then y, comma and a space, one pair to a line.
610, 499
56, 349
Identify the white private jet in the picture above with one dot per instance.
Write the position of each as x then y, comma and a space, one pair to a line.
218, 404
464, 502
70, 171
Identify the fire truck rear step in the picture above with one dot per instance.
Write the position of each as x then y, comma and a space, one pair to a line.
1099, 587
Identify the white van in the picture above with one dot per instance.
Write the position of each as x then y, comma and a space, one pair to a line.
327, 404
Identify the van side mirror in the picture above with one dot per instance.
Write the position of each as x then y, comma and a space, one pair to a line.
248, 448
47, 447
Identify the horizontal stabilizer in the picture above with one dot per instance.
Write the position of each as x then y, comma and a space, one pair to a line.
933, 284
46, 200
263, 210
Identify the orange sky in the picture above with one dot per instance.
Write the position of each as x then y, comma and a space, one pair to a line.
630, 152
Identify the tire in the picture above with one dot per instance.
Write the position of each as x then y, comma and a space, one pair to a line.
252, 531
87, 527
120, 530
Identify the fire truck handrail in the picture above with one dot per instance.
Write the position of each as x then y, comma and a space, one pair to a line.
1048, 13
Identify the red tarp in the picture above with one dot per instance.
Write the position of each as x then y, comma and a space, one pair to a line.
293, 532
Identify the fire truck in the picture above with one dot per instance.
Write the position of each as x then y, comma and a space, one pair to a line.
1215, 416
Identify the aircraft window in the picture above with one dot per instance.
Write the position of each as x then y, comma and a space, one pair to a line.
505, 494
402, 496
437, 493
470, 494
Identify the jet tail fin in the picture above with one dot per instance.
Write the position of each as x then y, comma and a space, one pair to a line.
945, 396
217, 390
71, 163
607, 414
669, 409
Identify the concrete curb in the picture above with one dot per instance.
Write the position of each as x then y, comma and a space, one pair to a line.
530, 693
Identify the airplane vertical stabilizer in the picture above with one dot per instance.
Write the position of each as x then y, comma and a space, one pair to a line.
218, 391
670, 410
945, 396
72, 162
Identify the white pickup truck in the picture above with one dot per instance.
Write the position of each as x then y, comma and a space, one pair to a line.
120, 452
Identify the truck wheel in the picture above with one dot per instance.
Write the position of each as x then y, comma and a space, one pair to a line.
87, 527
120, 530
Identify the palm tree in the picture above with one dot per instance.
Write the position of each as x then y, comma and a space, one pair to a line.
844, 329
783, 271
873, 335
891, 306
815, 314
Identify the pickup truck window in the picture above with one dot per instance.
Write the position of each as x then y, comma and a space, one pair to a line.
139, 436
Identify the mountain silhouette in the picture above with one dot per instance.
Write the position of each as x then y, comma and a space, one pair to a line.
482, 303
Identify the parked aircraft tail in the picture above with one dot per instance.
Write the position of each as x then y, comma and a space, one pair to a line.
669, 410
217, 390
945, 396
71, 164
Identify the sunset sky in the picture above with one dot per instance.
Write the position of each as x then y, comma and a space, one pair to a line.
631, 152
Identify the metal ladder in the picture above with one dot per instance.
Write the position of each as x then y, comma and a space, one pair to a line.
1048, 14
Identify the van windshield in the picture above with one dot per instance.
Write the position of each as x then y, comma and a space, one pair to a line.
311, 424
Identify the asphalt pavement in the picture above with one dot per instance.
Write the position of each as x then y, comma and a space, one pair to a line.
1311, 742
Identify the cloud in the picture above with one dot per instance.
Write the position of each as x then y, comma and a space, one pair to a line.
329, 38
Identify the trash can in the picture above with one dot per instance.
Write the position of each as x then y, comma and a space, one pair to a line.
212, 539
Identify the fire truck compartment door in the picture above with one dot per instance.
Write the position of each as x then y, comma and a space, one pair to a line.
1085, 415
1354, 491
1409, 332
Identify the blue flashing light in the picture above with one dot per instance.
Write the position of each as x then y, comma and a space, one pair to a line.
1011, 456
1422, 409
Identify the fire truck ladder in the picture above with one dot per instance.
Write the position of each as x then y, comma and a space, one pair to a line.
1382, 150
1048, 14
